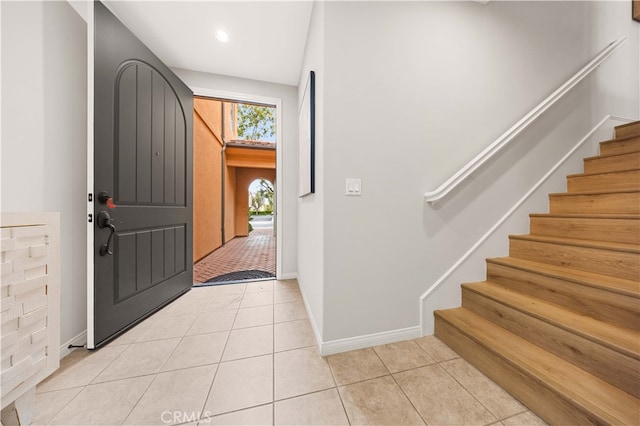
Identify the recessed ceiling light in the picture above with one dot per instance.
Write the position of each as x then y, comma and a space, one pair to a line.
222, 36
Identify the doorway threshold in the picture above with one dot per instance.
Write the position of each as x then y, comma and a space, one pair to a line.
250, 280
238, 277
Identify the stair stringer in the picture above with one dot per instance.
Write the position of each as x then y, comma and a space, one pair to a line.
446, 291
537, 338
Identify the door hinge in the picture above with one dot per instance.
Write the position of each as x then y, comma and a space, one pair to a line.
90, 218
90, 197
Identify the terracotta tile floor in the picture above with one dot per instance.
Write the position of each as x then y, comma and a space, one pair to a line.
257, 251
246, 354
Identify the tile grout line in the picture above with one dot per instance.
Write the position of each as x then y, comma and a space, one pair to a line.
469, 391
357, 382
344, 409
273, 361
409, 399
141, 396
333, 377
520, 413
215, 375
254, 356
48, 421
398, 384
237, 410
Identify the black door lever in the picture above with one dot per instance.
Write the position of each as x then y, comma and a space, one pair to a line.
104, 221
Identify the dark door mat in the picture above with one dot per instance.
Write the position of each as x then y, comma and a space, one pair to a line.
239, 276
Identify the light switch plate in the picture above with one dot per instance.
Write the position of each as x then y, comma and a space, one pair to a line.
353, 187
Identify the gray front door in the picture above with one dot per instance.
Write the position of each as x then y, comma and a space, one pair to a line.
143, 181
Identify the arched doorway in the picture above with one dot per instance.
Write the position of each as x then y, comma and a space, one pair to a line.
261, 196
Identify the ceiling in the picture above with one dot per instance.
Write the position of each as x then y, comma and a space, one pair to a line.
267, 38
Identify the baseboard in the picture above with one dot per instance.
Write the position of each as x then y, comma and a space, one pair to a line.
312, 320
366, 341
288, 276
358, 342
79, 340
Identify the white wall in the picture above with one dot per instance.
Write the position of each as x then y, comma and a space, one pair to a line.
411, 91
44, 133
311, 208
288, 207
616, 86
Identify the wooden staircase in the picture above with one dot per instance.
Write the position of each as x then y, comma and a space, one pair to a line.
557, 323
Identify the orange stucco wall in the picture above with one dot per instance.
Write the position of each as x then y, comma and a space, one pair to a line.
207, 191
244, 177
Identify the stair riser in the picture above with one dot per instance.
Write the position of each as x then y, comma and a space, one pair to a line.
552, 407
620, 147
607, 262
611, 366
617, 203
628, 130
612, 164
594, 302
602, 229
618, 181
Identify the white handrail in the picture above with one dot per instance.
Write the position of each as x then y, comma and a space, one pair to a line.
523, 123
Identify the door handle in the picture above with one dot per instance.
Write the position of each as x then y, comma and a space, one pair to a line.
104, 221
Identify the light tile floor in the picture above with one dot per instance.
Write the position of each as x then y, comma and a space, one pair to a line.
246, 354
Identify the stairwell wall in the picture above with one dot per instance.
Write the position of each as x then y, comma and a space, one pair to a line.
311, 209
411, 91
616, 86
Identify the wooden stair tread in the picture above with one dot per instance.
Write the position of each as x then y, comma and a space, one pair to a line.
620, 145
605, 200
613, 172
602, 156
581, 193
603, 245
610, 161
587, 216
623, 340
629, 124
623, 139
605, 282
629, 129
594, 395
